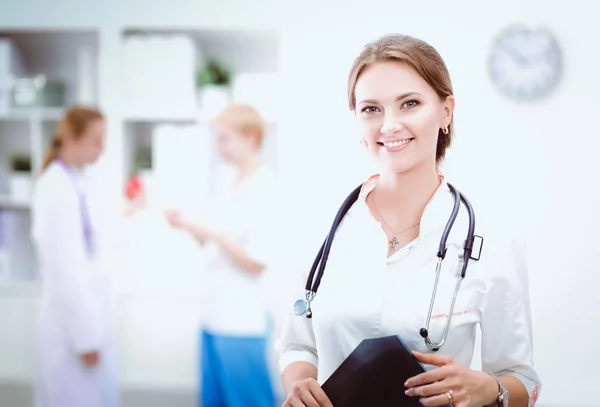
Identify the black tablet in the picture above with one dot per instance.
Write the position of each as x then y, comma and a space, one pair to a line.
374, 375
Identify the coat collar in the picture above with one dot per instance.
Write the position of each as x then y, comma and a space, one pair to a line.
439, 206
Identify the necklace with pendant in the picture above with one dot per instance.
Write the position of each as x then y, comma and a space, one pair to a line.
393, 242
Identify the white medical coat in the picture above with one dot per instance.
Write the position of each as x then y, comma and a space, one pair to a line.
365, 294
235, 302
75, 314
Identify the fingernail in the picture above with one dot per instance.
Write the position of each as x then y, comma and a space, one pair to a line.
406, 392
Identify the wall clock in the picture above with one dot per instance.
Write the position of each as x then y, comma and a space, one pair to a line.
525, 63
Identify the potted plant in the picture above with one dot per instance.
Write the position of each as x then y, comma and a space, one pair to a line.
20, 177
213, 81
143, 160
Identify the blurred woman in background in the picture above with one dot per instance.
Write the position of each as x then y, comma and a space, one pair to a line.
234, 339
75, 358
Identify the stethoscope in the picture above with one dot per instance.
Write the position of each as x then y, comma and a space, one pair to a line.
302, 306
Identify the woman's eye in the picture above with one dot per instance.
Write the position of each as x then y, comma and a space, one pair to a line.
409, 104
370, 109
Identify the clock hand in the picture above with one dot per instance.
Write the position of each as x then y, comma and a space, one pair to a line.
516, 55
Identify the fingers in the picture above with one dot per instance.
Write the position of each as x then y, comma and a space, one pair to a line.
174, 217
428, 390
307, 393
435, 375
319, 394
90, 359
446, 368
172, 213
306, 398
301, 400
433, 359
438, 400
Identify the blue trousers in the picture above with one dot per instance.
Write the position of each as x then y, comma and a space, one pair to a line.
235, 372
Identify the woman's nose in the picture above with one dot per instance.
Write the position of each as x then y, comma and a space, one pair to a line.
391, 124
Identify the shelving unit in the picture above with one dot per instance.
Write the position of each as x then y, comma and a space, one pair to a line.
253, 58
66, 56
159, 111
173, 123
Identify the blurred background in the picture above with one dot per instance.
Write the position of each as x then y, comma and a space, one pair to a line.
532, 161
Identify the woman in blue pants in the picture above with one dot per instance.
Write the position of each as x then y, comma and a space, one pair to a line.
234, 336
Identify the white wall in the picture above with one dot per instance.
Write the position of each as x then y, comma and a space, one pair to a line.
543, 154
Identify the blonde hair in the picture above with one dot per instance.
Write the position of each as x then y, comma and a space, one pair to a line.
73, 125
418, 55
244, 119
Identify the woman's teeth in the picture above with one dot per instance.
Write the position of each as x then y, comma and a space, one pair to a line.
398, 143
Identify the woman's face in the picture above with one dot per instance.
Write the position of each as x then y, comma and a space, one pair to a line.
399, 116
234, 147
91, 144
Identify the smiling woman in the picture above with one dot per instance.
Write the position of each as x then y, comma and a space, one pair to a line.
400, 92
427, 89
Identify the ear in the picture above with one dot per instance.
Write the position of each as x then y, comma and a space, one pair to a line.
448, 111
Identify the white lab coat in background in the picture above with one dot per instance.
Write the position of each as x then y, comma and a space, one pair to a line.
75, 313
235, 301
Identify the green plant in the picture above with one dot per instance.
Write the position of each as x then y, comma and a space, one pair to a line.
213, 73
143, 159
20, 162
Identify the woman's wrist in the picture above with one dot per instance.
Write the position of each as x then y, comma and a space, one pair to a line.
491, 390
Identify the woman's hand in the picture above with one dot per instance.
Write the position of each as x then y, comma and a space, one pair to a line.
174, 218
307, 393
90, 359
468, 388
200, 232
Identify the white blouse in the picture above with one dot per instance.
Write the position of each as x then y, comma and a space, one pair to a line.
365, 294
241, 212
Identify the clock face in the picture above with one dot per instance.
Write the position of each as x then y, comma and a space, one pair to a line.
525, 64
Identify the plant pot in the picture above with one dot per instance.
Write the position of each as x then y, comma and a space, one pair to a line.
213, 98
20, 186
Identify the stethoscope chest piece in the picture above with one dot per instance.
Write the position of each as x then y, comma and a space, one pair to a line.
302, 306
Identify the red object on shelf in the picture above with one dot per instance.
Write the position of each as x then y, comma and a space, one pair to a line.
134, 188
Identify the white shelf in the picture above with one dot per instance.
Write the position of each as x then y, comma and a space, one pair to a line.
244, 50
68, 56
197, 116
7, 203
150, 119
201, 116
46, 114
65, 55
169, 59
